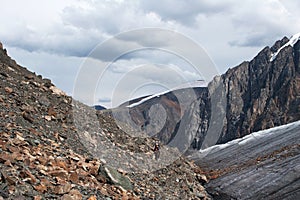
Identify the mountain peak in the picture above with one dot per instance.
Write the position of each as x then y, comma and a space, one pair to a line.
291, 42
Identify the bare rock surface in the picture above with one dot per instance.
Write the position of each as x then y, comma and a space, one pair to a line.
255, 95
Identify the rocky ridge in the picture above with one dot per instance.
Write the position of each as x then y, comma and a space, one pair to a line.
263, 93
255, 95
42, 156
161, 115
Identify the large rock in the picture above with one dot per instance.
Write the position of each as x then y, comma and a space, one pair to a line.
114, 177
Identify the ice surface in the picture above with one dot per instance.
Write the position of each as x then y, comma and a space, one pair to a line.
262, 165
251, 137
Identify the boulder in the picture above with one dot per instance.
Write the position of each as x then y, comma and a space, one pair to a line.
114, 177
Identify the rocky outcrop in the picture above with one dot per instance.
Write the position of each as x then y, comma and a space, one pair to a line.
160, 116
113, 176
261, 93
253, 96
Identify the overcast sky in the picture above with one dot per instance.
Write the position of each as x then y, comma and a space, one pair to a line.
53, 38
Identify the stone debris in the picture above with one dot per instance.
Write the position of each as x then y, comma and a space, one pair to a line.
57, 91
42, 157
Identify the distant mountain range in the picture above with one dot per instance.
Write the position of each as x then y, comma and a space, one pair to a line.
256, 95
99, 107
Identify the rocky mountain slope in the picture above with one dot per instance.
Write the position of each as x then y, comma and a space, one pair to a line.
262, 165
264, 92
255, 95
43, 157
160, 115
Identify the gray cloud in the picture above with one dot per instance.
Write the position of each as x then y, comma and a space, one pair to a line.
271, 21
184, 12
98, 16
64, 41
158, 37
81, 26
230, 31
158, 76
104, 100
255, 40
113, 49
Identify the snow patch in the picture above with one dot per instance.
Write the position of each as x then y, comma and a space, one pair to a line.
293, 40
194, 84
251, 137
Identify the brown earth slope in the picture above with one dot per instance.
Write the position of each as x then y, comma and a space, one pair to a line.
42, 156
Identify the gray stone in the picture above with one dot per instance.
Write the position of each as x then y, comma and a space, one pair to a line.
113, 176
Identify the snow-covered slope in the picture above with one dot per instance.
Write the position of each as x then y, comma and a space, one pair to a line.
194, 84
252, 138
263, 165
291, 42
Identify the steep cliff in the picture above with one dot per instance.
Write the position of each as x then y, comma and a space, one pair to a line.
255, 95
264, 92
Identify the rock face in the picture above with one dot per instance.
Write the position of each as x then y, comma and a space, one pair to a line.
262, 94
161, 115
255, 95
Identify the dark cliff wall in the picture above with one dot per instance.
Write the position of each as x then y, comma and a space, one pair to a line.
262, 94
255, 95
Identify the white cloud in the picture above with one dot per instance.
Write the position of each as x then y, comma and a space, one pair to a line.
121, 81
55, 35
75, 27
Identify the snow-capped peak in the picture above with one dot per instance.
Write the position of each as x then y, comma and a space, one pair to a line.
293, 40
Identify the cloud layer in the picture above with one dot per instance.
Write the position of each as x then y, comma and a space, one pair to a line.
74, 28
230, 32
